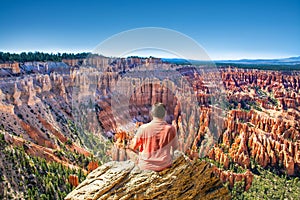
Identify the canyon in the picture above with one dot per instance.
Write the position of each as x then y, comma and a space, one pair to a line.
230, 117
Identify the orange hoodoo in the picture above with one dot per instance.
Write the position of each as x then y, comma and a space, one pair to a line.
120, 138
92, 165
73, 180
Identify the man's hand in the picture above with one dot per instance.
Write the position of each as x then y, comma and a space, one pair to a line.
129, 147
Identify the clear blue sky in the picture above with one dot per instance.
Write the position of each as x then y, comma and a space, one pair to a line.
226, 29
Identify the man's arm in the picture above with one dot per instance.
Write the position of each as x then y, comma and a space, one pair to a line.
136, 141
175, 138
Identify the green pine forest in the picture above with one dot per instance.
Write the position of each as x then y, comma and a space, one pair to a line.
33, 176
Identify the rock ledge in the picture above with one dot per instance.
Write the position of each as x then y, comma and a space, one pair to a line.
123, 180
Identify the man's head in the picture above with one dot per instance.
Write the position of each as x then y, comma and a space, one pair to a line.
158, 110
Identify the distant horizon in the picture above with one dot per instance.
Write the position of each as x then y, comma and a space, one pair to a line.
156, 56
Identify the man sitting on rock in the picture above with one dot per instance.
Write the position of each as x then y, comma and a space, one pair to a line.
155, 141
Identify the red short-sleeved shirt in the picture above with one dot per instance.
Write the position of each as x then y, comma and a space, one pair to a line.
155, 140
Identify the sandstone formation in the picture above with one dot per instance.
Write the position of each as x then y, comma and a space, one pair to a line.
92, 165
123, 180
232, 116
4, 107
256, 112
232, 178
73, 180
14, 67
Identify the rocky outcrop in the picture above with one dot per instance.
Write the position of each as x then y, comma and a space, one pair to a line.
4, 107
16, 95
73, 180
38, 151
92, 166
218, 155
14, 67
124, 180
232, 178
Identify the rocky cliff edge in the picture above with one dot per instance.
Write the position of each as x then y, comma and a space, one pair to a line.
124, 180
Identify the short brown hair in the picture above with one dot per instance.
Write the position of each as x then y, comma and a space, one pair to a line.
158, 110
